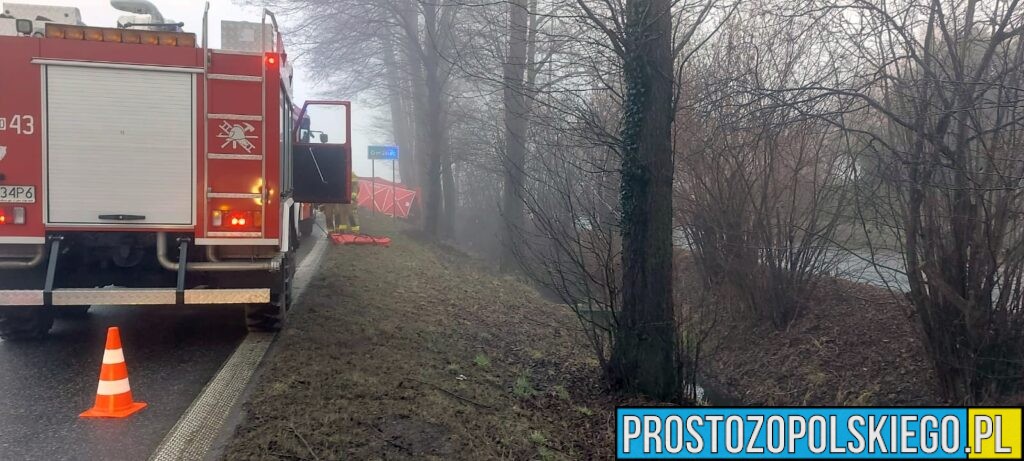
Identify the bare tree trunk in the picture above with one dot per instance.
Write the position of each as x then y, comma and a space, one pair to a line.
413, 50
644, 356
449, 190
435, 124
428, 86
411, 162
451, 196
433, 199
515, 130
400, 122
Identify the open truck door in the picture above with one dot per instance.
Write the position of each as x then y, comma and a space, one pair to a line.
322, 153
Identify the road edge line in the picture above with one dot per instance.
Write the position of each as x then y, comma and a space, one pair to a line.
194, 434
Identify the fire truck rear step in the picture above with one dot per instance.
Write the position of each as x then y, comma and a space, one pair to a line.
134, 296
51, 296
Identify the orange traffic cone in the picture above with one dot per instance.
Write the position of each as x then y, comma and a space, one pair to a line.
114, 395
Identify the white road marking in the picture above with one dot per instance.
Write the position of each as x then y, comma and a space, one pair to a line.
193, 435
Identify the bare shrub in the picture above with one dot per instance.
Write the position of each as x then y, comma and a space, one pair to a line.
944, 78
762, 182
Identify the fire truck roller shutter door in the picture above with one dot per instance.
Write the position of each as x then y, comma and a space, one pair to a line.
120, 146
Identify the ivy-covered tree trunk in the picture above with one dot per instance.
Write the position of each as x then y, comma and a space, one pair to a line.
515, 129
644, 355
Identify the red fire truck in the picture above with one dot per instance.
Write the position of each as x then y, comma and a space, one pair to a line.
139, 167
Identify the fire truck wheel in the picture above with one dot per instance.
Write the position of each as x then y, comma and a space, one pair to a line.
267, 317
270, 317
306, 227
21, 324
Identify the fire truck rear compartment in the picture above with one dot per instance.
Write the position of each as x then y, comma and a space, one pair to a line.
120, 147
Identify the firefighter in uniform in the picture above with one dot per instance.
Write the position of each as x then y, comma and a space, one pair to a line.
347, 217
330, 216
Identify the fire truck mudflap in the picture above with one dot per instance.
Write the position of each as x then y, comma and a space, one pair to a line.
139, 168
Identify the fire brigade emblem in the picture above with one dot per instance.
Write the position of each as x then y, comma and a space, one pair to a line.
237, 136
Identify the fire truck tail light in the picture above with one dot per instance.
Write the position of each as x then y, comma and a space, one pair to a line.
12, 215
271, 60
235, 219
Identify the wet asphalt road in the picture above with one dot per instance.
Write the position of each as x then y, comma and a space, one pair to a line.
171, 353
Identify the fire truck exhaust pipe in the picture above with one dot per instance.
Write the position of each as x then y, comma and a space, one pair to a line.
30, 263
271, 265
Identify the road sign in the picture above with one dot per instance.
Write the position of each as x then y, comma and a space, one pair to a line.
383, 152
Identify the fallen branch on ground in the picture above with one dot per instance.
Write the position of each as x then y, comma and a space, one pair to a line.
446, 391
304, 442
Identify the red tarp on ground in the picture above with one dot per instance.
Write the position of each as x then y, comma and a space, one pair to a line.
385, 197
359, 239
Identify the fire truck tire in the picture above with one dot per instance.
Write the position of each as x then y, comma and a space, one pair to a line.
265, 317
20, 324
270, 317
306, 227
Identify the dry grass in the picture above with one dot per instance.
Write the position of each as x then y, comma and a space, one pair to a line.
412, 351
416, 351
852, 344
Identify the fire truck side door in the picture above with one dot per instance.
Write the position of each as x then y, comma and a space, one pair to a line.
322, 173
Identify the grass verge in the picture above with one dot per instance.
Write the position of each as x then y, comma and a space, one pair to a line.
414, 351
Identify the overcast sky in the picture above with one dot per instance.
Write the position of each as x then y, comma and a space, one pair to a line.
100, 13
